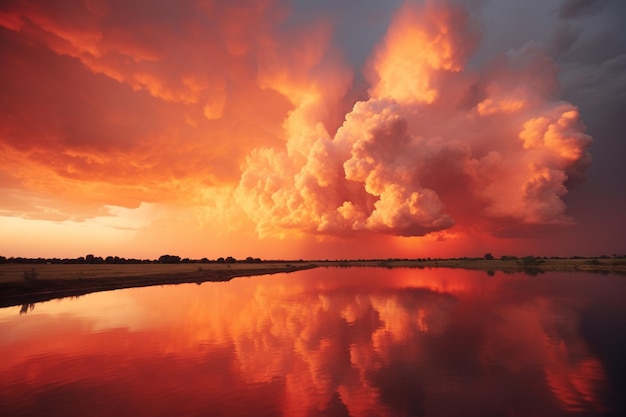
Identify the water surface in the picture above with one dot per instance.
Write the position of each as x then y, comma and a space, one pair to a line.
325, 342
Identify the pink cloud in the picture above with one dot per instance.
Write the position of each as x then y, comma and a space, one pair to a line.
436, 146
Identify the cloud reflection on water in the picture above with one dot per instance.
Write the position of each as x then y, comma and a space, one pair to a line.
328, 341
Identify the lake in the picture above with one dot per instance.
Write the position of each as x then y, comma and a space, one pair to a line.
325, 342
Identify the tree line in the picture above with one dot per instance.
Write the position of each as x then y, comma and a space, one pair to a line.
91, 259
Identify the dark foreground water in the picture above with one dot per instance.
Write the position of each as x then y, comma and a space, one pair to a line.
325, 342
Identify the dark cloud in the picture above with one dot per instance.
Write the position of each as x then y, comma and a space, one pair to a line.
571, 9
591, 53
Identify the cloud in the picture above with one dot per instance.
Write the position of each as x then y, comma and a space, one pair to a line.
422, 42
592, 57
436, 145
106, 103
571, 9
252, 108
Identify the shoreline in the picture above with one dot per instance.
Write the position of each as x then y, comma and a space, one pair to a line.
23, 284
594, 265
14, 293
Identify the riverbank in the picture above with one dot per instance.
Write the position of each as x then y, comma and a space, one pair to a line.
27, 284
528, 263
31, 283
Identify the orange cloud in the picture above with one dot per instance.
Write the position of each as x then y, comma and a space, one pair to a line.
235, 112
443, 152
127, 110
422, 42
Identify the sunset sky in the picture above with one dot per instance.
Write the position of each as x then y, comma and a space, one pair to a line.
312, 129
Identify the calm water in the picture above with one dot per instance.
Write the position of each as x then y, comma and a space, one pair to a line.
327, 342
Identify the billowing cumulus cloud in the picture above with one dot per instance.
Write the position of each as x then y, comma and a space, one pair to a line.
283, 118
436, 144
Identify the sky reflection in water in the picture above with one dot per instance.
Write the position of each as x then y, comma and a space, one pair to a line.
333, 342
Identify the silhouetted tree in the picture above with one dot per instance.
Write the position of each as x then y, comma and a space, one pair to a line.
488, 256
169, 259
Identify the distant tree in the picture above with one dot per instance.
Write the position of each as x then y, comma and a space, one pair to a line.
488, 256
220, 260
169, 259
230, 260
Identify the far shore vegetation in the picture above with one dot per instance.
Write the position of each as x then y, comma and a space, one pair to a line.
32, 269
28, 280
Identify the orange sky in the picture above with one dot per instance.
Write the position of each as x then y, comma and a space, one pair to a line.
284, 130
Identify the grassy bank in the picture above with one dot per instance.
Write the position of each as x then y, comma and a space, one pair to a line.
617, 265
25, 284
14, 272
28, 283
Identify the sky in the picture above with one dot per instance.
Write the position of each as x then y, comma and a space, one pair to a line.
297, 129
